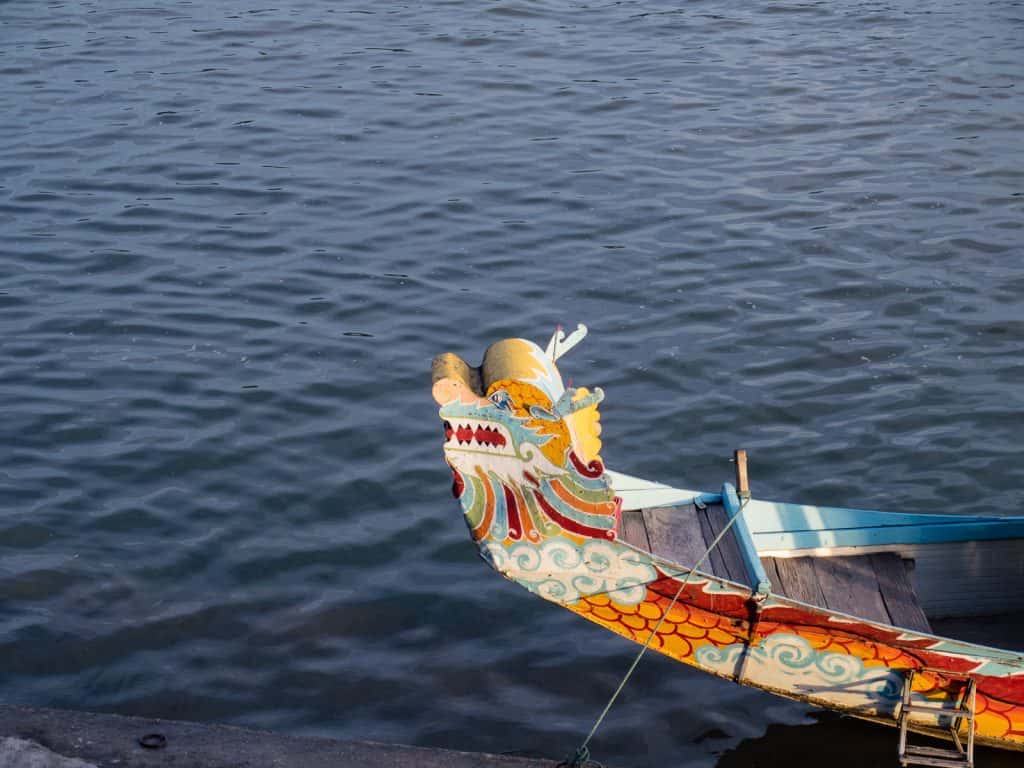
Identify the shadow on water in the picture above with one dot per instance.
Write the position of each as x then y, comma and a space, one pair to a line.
837, 742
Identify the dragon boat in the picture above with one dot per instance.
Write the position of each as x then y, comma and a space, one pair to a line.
840, 608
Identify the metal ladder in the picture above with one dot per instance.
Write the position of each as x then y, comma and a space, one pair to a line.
960, 757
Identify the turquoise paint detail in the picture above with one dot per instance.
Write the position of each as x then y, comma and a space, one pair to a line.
779, 526
599, 483
888, 536
704, 498
769, 516
776, 526
755, 568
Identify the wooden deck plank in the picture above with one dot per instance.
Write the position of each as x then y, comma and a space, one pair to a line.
797, 579
851, 586
715, 562
875, 587
675, 533
773, 574
728, 546
633, 529
897, 592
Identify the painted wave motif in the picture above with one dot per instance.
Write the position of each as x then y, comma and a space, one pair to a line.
564, 572
807, 654
790, 662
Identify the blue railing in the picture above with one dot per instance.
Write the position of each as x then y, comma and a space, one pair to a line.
733, 508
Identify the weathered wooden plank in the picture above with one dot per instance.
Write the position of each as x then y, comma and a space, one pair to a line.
716, 561
675, 534
849, 585
773, 574
985, 571
798, 579
897, 592
728, 546
742, 481
875, 587
633, 529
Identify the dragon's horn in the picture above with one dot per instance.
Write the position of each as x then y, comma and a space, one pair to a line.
560, 343
566, 405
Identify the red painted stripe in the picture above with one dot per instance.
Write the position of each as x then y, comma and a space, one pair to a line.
458, 484
571, 525
593, 469
515, 527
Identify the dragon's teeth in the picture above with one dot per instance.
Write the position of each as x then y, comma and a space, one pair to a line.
482, 436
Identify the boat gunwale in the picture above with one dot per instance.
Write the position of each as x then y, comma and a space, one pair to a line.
922, 528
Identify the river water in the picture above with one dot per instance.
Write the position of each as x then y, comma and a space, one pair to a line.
234, 234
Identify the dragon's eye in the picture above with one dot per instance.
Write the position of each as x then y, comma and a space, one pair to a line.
501, 399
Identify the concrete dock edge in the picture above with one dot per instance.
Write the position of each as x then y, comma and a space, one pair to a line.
113, 741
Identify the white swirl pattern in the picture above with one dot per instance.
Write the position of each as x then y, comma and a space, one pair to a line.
563, 572
778, 659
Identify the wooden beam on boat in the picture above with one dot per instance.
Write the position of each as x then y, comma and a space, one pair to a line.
742, 481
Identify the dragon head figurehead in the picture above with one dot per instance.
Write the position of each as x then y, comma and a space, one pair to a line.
523, 449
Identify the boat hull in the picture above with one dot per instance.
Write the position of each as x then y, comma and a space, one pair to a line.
544, 512
813, 655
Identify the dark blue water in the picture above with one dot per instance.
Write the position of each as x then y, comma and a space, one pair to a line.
233, 235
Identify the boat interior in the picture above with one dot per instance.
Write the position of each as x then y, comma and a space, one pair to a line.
876, 586
896, 574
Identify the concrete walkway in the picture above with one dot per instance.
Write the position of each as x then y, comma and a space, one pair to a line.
50, 738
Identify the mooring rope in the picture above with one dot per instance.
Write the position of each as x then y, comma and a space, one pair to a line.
581, 757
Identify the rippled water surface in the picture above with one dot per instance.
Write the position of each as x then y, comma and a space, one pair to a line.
235, 233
